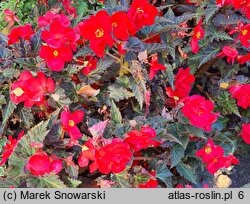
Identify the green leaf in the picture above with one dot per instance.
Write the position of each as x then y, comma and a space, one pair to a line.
121, 179
115, 113
171, 138
170, 75
154, 47
7, 182
162, 172
9, 109
36, 134
197, 132
2, 173
138, 82
73, 183
72, 171
227, 104
176, 154
47, 181
215, 34
187, 172
17, 165
101, 67
2, 101
226, 142
26, 116
59, 97
210, 11
119, 93
138, 92
208, 53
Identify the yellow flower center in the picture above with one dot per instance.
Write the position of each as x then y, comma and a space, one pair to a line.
84, 148
99, 33
114, 24
55, 53
244, 32
57, 36
139, 10
198, 35
71, 123
208, 150
215, 160
18, 91
224, 85
176, 98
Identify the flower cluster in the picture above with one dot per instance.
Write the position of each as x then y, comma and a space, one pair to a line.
112, 156
199, 112
214, 157
60, 41
120, 24
31, 90
40, 163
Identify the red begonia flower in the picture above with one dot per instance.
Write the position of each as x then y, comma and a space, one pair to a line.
91, 64
245, 133
122, 27
242, 59
50, 17
142, 139
231, 159
199, 112
183, 84
88, 153
197, 35
97, 32
229, 52
56, 166
31, 90
241, 92
244, 35
10, 17
210, 151
39, 164
141, 13
9, 147
56, 57
69, 122
215, 164
155, 66
59, 36
24, 32
113, 157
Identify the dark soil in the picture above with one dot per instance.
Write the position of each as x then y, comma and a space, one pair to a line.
241, 175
